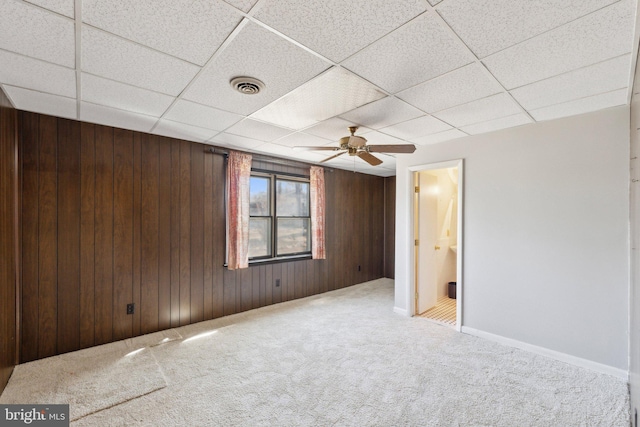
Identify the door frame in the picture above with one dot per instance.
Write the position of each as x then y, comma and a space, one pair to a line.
458, 163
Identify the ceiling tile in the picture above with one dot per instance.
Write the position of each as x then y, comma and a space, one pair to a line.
416, 128
258, 130
439, 137
117, 118
201, 115
97, 90
63, 7
183, 131
603, 77
334, 129
460, 86
583, 105
244, 5
44, 103
501, 123
336, 28
188, 29
274, 149
307, 156
434, 2
235, 141
334, 92
602, 35
302, 139
385, 112
487, 26
258, 53
418, 51
482, 110
22, 71
118, 59
34, 32
379, 138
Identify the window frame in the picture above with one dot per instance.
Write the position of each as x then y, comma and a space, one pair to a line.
273, 179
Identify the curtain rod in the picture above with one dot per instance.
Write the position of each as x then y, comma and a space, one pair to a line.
268, 159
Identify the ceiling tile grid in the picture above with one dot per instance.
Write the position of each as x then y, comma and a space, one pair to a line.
300, 139
436, 138
98, 90
404, 71
385, 112
259, 53
601, 35
582, 105
481, 110
416, 52
32, 31
236, 141
488, 26
334, 92
22, 71
243, 5
336, 28
497, 124
416, 128
108, 116
457, 87
594, 79
183, 131
200, 115
255, 129
63, 7
118, 59
39, 102
191, 30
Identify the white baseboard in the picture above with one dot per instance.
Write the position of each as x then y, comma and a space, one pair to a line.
401, 311
563, 357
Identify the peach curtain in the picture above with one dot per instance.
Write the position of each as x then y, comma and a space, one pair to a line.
317, 212
238, 179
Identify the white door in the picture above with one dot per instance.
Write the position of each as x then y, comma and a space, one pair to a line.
427, 242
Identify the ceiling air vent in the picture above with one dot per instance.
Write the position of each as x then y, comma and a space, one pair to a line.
247, 85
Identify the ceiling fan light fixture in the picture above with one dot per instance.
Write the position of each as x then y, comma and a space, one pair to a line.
247, 85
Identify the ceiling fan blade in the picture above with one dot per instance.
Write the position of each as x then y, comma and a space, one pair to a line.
369, 158
332, 157
392, 148
305, 148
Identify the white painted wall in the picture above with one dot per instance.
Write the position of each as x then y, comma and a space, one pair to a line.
546, 254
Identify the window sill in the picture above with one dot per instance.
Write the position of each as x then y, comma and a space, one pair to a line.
279, 260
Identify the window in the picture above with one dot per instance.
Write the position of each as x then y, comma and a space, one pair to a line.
280, 219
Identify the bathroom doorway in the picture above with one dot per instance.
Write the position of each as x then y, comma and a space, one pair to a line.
438, 240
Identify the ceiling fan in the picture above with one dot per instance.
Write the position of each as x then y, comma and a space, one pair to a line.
357, 146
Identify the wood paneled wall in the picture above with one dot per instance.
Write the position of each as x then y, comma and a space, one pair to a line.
111, 217
389, 227
8, 237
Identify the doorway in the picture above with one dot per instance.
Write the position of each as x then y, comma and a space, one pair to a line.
437, 233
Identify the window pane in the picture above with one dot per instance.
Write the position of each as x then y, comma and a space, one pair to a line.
292, 198
259, 237
259, 196
294, 235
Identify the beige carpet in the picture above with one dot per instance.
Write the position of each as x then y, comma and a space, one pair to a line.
338, 359
90, 380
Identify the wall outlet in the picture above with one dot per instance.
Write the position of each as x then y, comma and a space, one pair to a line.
277, 283
130, 308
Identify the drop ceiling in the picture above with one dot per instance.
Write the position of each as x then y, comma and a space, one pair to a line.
417, 71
